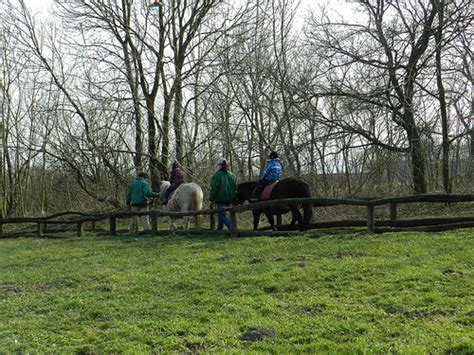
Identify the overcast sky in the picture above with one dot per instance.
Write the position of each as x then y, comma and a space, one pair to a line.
343, 7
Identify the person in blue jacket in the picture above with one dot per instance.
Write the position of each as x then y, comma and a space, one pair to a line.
271, 174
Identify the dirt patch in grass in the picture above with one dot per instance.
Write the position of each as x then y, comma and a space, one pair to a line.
311, 310
349, 253
56, 284
414, 314
195, 347
42, 287
11, 290
270, 289
257, 334
452, 272
182, 333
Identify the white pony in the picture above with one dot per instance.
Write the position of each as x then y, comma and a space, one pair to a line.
187, 197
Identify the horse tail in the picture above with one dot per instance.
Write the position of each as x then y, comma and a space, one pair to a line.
307, 215
307, 208
197, 206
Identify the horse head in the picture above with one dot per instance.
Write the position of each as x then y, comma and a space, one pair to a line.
244, 192
163, 186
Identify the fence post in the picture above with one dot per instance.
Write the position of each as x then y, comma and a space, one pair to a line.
80, 229
154, 222
113, 225
233, 223
39, 230
1, 229
370, 218
93, 225
393, 211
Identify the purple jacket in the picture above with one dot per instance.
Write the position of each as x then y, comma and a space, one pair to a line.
176, 177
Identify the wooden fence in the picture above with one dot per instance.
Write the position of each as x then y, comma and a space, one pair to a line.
393, 224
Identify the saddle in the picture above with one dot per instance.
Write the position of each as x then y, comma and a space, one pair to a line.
265, 195
170, 196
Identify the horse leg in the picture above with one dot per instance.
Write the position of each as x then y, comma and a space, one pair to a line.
296, 217
170, 220
278, 219
256, 218
184, 208
293, 220
172, 226
271, 220
197, 206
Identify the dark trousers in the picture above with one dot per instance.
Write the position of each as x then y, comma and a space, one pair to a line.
260, 186
167, 194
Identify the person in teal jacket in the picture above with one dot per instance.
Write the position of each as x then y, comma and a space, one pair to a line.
223, 191
137, 200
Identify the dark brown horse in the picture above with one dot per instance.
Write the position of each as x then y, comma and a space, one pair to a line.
286, 188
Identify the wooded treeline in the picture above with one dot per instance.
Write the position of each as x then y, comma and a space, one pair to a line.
376, 104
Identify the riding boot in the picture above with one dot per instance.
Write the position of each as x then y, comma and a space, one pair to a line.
256, 194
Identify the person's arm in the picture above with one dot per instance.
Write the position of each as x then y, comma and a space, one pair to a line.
235, 187
214, 188
267, 170
147, 192
128, 197
279, 169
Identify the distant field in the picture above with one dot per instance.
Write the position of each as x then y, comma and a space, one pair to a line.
398, 292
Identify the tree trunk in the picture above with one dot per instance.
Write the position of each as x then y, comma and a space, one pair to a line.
152, 149
133, 84
165, 141
417, 158
442, 101
177, 119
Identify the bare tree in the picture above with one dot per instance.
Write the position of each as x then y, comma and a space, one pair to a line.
390, 52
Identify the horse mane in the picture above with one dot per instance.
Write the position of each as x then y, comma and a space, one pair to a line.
164, 185
248, 183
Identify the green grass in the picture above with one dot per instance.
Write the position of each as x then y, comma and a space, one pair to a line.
399, 292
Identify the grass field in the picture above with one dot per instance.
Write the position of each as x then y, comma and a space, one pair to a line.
399, 292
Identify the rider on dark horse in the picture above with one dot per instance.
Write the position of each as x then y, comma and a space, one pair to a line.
176, 179
271, 174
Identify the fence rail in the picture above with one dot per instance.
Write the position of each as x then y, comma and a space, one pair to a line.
391, 225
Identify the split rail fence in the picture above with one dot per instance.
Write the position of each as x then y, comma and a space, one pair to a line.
372, 225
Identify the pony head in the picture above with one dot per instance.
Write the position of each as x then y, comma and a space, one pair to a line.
164, 185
